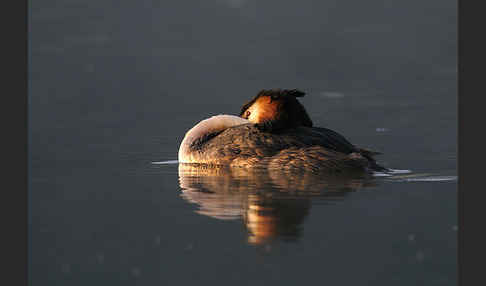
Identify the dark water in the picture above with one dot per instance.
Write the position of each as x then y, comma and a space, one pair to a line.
115, 85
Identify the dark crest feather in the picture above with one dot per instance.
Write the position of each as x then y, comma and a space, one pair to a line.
274, 94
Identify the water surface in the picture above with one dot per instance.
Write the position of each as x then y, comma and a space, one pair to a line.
115, 86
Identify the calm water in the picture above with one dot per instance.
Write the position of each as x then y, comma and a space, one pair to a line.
115, 86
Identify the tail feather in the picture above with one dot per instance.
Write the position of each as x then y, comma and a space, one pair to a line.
369, 154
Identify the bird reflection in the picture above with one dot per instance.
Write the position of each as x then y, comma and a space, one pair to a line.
271, 204
269, 218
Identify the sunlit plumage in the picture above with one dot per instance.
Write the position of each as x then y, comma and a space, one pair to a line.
273, 131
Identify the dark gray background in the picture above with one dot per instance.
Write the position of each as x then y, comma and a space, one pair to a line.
114, 85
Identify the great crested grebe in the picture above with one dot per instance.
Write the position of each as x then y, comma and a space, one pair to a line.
273, 131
